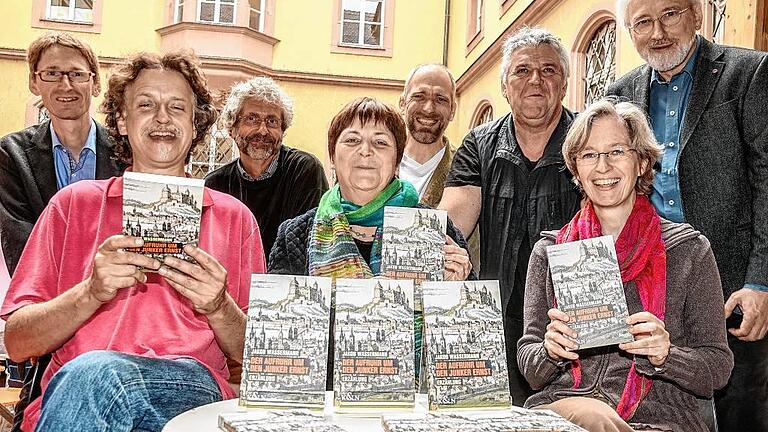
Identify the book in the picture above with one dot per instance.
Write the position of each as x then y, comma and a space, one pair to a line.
588, 287
514, 420
412, 243
276, 421
466, 356
374, 358
163, 210
286, 342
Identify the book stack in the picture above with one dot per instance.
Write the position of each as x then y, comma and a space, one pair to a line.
276, 421
513, 420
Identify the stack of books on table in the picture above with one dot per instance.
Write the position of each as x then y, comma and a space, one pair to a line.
276, 421
513, 420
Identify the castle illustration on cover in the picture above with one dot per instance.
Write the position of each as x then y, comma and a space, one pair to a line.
466, 358
162, 209
412, 246
374, 343
588, 286
286, 344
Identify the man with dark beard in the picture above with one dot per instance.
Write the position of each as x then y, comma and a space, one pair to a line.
275, 181
706, 104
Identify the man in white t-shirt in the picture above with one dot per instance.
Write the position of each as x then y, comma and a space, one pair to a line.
428, 104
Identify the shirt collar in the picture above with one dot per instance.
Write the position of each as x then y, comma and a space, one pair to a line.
90, 141
689, 68
269, 172
115, 190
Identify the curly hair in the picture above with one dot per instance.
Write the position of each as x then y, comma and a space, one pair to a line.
261, 89
184, 62
640, 134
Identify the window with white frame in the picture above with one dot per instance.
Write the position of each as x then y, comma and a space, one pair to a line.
178, 11
256, 20
216, 11
70, 10
362, 23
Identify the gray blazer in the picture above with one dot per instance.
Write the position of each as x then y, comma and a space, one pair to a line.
723, 163
28, 181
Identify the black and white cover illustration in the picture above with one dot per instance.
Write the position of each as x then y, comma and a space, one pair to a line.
374, 344
466, 356
514, 420
286, 342
276, 421
588, 287
412, 246
164, 210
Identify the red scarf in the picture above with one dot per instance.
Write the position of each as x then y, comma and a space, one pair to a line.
643, 259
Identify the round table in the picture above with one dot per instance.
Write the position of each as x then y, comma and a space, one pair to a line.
206, 417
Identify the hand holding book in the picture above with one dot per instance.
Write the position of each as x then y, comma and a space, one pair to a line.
651, 338
204, 283
115, 268
560, 340
457, 263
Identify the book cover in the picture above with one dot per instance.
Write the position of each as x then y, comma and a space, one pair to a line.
276, 421
412, 243
374, 363
514, 420
163, 210
588, 287
286, 342
466, 355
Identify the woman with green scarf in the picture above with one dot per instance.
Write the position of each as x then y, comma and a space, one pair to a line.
341, 238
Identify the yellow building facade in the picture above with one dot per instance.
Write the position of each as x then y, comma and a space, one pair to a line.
326, 52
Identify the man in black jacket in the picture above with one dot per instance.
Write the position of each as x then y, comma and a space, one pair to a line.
275, 181
509, 175
38, 161
706, 104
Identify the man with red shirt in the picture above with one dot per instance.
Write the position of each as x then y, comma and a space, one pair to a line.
131, 349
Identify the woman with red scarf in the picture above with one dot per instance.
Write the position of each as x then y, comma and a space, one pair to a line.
671, 283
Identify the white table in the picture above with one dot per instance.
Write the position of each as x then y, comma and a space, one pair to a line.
206, 417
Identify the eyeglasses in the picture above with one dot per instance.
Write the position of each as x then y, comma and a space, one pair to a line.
75, 76
667, 19
253, 120
615, 155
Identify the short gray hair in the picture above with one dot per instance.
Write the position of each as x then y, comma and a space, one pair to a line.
262, 89
432, 65
532, 37
641, 137
623, 5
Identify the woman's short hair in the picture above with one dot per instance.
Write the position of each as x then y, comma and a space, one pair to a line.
261, 89
641, 137
184, 62
366, 109
66, 40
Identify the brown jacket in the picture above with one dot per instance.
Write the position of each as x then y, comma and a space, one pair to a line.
699, 360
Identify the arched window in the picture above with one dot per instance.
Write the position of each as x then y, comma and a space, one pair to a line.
484, 114
600, 62
217, 149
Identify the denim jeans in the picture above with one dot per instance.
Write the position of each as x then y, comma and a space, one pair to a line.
110, 391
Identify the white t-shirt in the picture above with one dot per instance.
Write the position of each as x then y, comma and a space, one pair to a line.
419, 174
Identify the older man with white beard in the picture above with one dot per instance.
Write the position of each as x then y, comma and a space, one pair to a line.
706, 104
275, 181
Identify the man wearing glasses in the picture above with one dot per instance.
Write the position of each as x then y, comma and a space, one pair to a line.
38, 161
276, 182
706, 104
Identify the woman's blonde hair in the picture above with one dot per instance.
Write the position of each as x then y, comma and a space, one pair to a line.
641, 137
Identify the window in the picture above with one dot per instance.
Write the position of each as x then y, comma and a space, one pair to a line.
484, 114
362, 23
718, 19
256, 20
475, 21
600, 62
216, 11
217, 150
70, 10
178, 11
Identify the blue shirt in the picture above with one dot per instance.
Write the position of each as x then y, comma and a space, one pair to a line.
67, 170
668, 103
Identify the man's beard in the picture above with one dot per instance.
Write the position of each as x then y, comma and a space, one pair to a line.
664, 62
258, 147
425, 134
